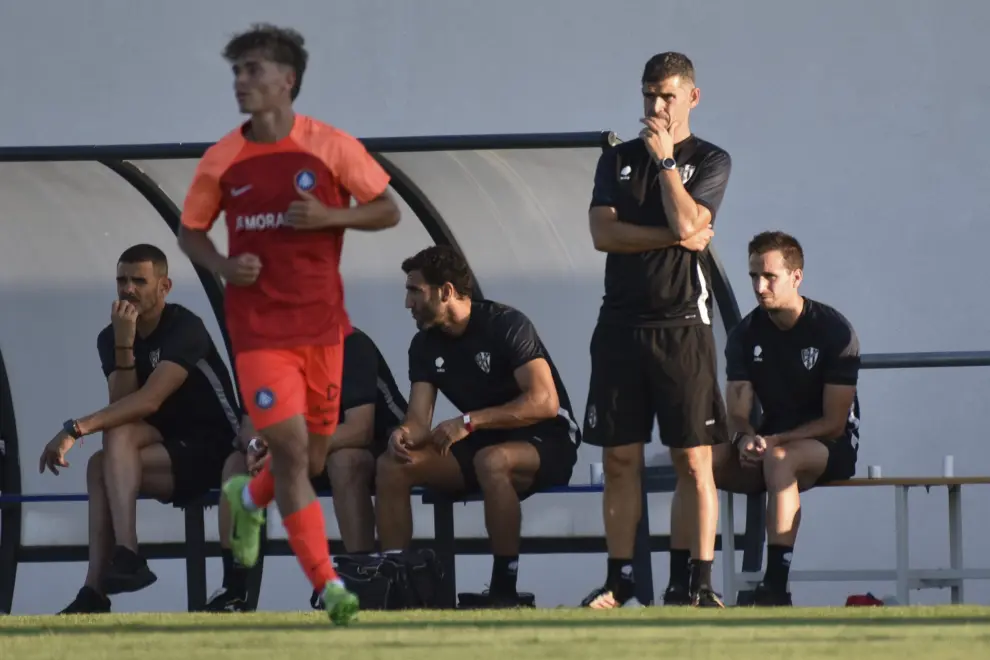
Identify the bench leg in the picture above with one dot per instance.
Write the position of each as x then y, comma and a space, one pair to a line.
443, 534
901, 534
195, 557
643, 555
955, 540
728, 549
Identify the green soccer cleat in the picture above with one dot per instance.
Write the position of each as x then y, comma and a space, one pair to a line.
245, 529
341, 605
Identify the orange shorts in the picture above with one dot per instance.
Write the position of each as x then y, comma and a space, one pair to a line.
280, 383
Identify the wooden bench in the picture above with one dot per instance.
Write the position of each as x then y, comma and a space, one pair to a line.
905, 577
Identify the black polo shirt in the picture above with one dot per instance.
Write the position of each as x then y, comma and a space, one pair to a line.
670, 286
477, 369
205, 401
789, 369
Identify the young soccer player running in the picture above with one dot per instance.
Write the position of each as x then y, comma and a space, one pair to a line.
284, 182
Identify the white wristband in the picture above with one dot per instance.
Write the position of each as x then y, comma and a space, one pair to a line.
255, 445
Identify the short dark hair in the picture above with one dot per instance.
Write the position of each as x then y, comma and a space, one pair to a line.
440, 264
280, 45
787, 245
138, 254
666, 65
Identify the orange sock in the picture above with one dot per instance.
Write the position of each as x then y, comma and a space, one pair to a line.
262, 487
308, 540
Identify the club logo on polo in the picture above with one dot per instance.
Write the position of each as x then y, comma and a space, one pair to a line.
154, 357
809, 356
686, 173
484, 361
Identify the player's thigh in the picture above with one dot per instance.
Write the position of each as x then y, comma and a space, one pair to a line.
731, 475
684, 387
840, 465
133, 434
323, 371
426, 467
803, 460
273, 386
619, 410
537, 459
196, 463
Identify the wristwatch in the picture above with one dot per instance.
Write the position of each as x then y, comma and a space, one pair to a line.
71, 428
467, 423
668, 164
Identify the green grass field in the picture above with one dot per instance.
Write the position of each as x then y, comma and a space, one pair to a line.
546, 634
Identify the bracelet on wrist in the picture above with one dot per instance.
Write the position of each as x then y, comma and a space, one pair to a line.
123, 348
120, 368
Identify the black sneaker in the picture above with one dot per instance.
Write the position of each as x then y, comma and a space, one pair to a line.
706, 597
486, 600
764, 596
676, 595
128, 572
604, 598
87, 601
223, 600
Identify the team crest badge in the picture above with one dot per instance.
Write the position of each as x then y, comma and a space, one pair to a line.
484, 361
809, 356
154, 357
264, 398
686, 173
305, 180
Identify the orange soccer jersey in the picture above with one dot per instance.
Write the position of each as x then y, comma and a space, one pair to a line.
298, 299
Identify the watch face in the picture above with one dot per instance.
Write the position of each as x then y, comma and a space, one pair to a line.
669, 163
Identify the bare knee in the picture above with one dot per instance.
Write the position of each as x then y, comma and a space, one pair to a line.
622, 463
493, 465
692, 464
390, 473
784, 465
94, 471
121, 437
351, 469
236, 464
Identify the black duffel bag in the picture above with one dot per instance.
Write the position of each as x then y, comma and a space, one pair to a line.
397, 581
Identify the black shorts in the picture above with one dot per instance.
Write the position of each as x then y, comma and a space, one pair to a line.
321, 482
642, 374
197, 458
842, 455
558, 454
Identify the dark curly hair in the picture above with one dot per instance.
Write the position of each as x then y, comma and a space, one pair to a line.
280, 45
440, 264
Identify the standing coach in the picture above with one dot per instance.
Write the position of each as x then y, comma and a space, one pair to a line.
653, 351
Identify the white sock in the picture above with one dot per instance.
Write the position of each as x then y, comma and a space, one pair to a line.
246, 499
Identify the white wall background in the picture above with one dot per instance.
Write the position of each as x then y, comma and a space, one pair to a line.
857, 126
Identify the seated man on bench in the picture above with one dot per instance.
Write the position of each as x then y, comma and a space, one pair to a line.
371, 406
517, 433
800, 360
170, 425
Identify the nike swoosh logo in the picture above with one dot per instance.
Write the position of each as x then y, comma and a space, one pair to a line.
237, 192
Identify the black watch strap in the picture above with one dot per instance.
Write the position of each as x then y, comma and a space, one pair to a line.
71, 427
736, 437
